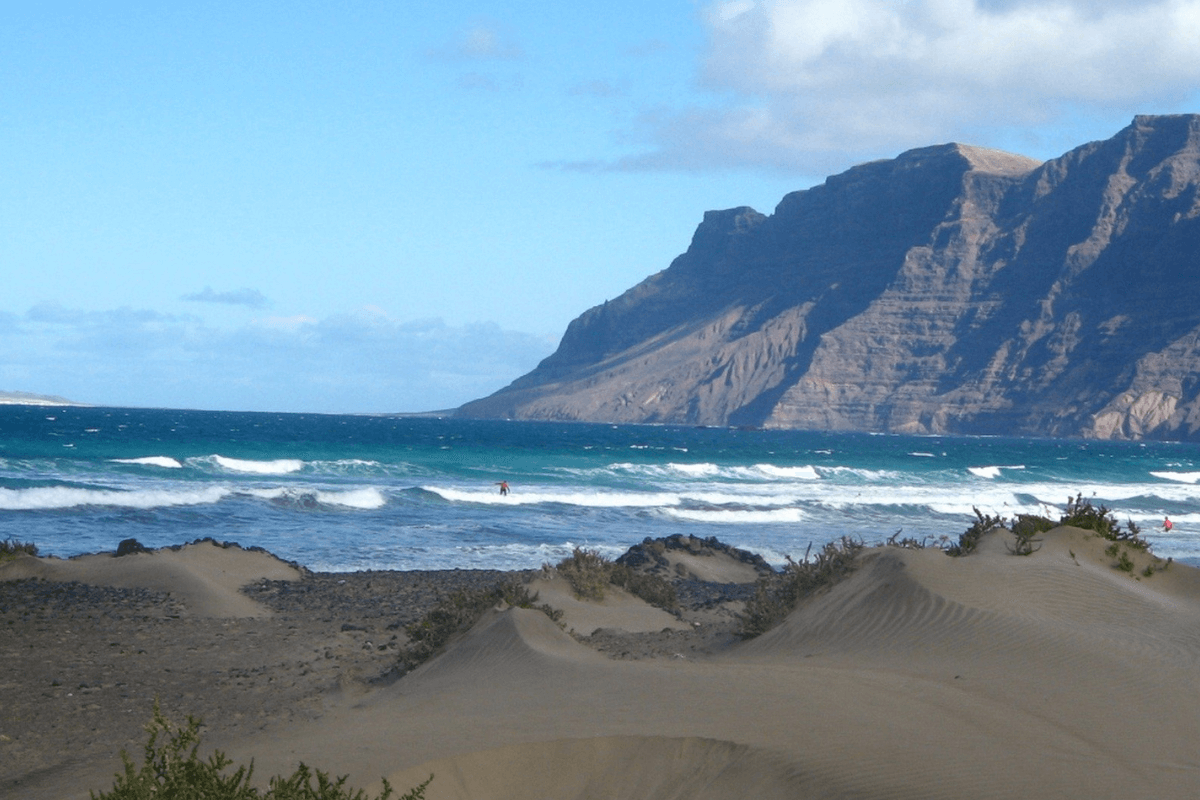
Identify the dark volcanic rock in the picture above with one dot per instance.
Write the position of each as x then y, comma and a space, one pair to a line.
130, 546
651, 555
950, 290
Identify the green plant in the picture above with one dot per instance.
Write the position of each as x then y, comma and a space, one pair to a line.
11, 548
458, 612
969, 539
173, 770
1082, 514
778, 595
1124, 563
590, 574
587, 571
907, 542
1025, 528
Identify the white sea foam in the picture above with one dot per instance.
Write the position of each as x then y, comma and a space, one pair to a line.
764, 497
55, 497
165, 462
367, 499
1179, 477
597, 499
281, 466
865, 474
805, 473
991, 472
736, 516
695, 470
669, 470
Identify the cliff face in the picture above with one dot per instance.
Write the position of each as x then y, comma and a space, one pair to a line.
950, 290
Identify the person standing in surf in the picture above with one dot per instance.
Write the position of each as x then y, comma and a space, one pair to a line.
503, 487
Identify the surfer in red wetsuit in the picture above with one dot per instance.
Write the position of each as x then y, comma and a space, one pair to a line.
1167, 524
503, 487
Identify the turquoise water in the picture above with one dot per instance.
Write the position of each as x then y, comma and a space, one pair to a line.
340, 492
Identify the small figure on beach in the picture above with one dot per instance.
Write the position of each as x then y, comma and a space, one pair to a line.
503, 487
1167, 524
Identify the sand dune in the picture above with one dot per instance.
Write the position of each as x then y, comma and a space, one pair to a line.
204, 576
920, 676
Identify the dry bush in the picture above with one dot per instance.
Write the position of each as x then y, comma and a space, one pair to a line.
775, 597
173, 770
590, 574
969, 540
457, 612
11, 548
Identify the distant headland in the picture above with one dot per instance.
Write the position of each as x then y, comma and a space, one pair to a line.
30, 399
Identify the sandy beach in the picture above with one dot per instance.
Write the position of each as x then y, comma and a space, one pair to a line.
919, 676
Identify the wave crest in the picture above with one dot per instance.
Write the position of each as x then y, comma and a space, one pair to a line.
166, 462
279, 466
45, 498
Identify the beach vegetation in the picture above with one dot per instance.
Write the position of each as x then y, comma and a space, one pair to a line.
590, 574
172, 769
969, 540
460, 610
1124, 562
11, 548
1082, 514
778, 595
587, 571
1025, 529
907, 542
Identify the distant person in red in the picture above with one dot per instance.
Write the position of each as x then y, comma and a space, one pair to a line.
503, 487
1167, 524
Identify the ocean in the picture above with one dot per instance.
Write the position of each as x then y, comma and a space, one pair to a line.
355, 492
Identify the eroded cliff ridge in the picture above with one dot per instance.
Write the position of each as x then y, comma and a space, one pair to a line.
952, 289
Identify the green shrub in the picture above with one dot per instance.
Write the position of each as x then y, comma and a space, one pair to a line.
969, 540
11, 548
172, 770
1082, 514
458, 612
1124, 563
590, 574
1025, 528
778, 595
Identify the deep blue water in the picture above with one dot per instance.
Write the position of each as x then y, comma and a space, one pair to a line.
341, 492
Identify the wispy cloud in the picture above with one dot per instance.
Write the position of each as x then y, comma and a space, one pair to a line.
251, 298
482, 41
812, 85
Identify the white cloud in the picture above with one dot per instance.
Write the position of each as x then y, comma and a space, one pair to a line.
367, 361
818, 84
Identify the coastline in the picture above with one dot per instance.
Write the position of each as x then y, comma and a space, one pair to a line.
990, 675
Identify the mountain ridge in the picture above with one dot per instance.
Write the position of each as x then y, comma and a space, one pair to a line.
952, 289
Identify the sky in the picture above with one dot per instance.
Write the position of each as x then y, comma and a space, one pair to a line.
399, 206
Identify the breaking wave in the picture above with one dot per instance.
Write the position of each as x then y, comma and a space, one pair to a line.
166, 462
280, 466
58, 497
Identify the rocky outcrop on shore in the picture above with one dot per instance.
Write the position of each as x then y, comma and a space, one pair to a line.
952, 289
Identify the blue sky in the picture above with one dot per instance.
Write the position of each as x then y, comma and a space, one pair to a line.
386, 206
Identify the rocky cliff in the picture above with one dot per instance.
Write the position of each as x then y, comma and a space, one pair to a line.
950, 290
